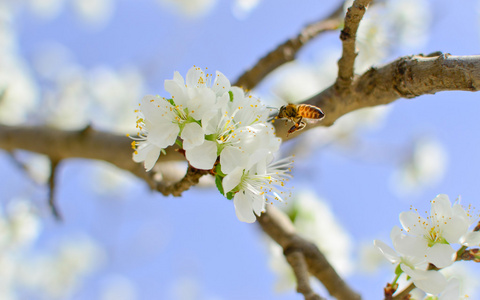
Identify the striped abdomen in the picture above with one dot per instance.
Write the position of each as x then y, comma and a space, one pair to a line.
310, 112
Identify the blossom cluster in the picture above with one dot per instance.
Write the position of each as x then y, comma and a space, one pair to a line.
221, 129
425, 245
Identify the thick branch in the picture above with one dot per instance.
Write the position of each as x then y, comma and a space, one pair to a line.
281, 230
88, 143
406, 77
286, 52
349, 36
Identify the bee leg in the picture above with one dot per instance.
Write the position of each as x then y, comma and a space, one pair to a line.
301, 125
292, 130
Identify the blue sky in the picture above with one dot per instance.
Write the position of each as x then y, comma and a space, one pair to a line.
164, 243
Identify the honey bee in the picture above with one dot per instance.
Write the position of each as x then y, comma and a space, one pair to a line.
298, 114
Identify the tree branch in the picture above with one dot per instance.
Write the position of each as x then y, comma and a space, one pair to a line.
281, 230
349, 36
406, 77
287, 51
300, 268
403, 295
190, 179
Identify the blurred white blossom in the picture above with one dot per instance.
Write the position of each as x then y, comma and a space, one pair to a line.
372, 43
424, 166
113, 95
46, 9
389, 25
189, 8
314, 220
75, 97
18, 90
59, 273
95, 13
467, 276
242, 8
48, 273
118, 287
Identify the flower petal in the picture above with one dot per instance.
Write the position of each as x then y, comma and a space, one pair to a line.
233, 179
471, 239
412, 222
441, 255
163, 136
441, 207
258, 204
203, 156
195, 78
152, 158
201, 100
147, 153
177, 91
192, 135
231, 158
243, 208
408, 245
432, 282
454, 228
387, 251
149, 108
221, 84
451, 291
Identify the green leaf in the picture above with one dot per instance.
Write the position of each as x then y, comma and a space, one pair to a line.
230, 195
231, 95
218, 183
218, 170
398, 270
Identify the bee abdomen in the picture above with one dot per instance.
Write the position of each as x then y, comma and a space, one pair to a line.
310, 111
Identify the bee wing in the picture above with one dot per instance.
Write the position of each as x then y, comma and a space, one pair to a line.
311, 121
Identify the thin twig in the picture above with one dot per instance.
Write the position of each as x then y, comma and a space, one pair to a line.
404, 294
287, 51
190, 179
279, 227
300, 269
349, 36
51, 194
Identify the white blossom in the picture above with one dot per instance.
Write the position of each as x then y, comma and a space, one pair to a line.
210, 117
255, 185
429, 281
432, 237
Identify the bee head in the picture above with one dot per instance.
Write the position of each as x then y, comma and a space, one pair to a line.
281, 112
